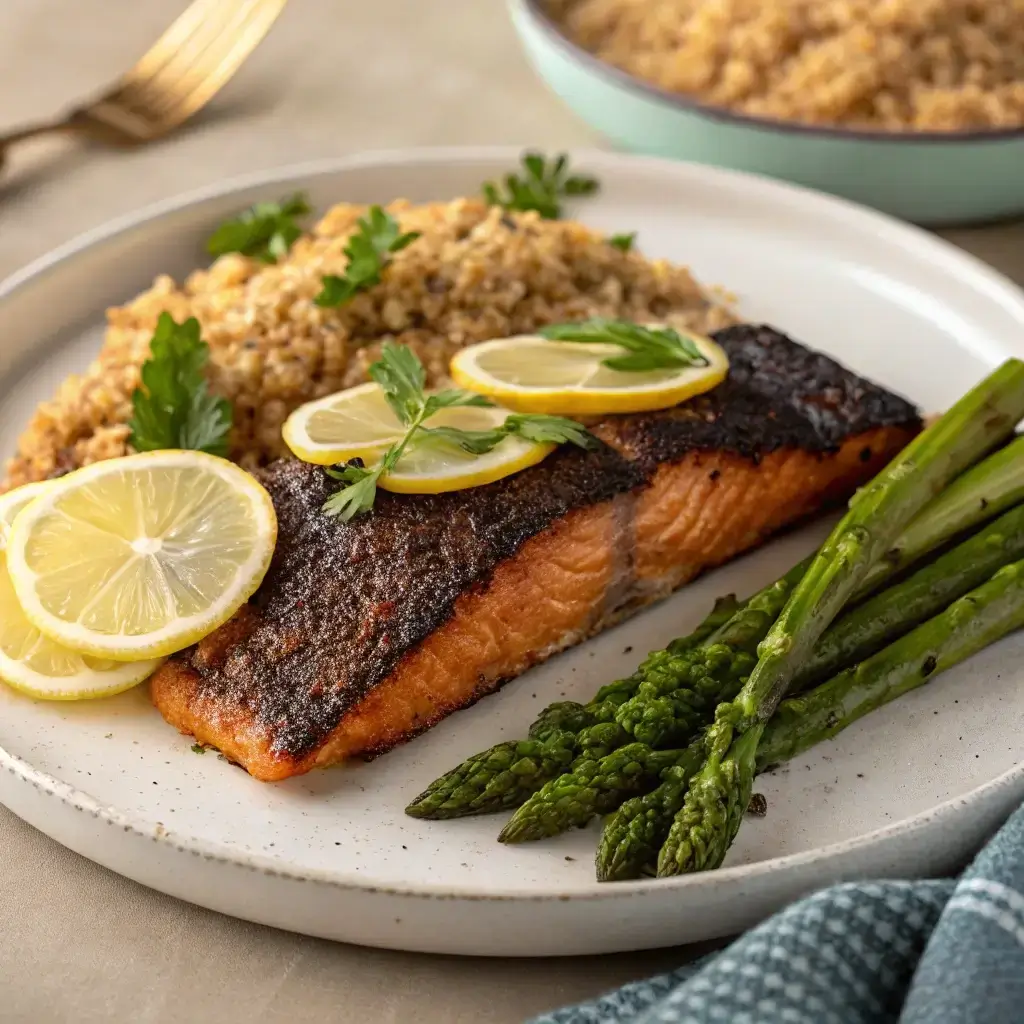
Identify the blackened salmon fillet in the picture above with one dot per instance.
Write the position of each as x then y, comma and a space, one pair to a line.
366, 633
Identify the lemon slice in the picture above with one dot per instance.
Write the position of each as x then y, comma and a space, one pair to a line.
359, 423
33, 663
354, 424
532, 374
135, 558
430, 467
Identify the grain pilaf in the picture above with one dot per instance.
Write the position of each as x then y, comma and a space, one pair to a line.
476, 273
918, 65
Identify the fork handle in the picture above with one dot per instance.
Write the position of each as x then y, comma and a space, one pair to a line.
67, 123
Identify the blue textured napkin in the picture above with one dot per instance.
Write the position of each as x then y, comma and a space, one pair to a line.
928, 952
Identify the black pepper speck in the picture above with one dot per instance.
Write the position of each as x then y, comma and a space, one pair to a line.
758, 805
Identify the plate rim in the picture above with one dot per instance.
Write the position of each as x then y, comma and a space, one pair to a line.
919, 242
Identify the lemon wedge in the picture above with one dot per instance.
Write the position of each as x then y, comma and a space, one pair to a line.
135, 558
529, 373
359, 423
33, 663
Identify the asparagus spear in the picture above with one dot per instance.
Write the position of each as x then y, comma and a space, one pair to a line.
983, 418
701, 678
967, 626
562, 716
493, 780
571, 715
724, 609
675, 698
596, 787
992, 486
692, 678
854, 636
503, 777
891, 613
719, 793
982, 492
679, 689
632, 836
577, 717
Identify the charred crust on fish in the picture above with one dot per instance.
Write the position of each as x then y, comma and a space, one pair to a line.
344, 603
778, 394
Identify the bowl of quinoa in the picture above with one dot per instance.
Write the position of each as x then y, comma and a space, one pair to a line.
915, 107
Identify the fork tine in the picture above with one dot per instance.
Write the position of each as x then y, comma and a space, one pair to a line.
175, 37
168, 87
155, 78
204, 86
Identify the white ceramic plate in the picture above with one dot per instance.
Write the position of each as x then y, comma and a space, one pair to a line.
910, 790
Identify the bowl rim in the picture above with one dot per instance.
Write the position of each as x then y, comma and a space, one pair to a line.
536, 11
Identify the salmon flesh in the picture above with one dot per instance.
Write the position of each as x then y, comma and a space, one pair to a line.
366, 633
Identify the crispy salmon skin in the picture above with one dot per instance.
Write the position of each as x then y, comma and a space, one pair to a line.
366, 633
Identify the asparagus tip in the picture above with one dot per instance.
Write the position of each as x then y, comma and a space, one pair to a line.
421, 807
519, 832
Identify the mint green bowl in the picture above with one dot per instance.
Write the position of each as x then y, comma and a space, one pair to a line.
930, 178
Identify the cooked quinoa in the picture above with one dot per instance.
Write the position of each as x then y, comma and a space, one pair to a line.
923, 65
476, 273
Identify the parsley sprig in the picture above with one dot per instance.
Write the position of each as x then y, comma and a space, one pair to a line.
541, 186
265, 231
623, 242
173, 408
369, 251
402, 378
649, 348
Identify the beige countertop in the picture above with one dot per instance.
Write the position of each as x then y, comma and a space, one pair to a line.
78, 943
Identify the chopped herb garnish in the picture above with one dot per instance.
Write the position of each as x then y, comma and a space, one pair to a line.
402, 378
173, 408
541, 186
650, 348
266, 231
543, 429
369, 251
623, 242
198, 748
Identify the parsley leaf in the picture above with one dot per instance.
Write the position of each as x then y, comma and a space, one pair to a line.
401, 377
369, 251
447, 399
173, 408
475, 442
266, 231
623, 242
650, 348
360, 491
549, 430
541, 186
532, 427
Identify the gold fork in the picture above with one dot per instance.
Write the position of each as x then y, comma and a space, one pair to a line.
183, 70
